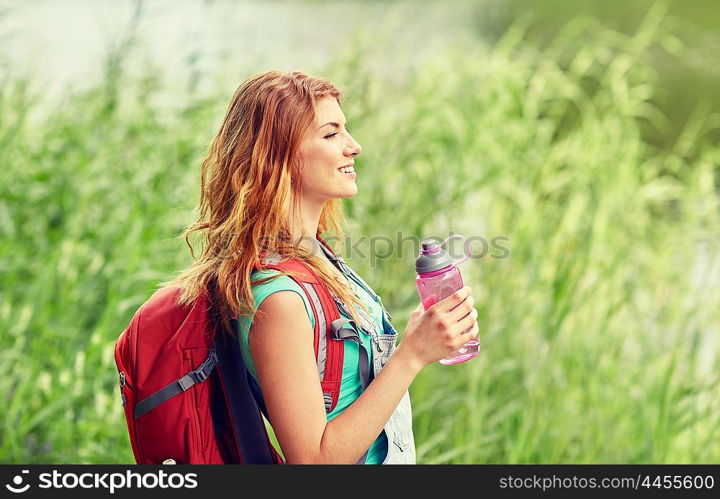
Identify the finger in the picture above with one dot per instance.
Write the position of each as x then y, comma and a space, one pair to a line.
462, 310
462, 313
417, 312
473, 331
466, 336
468, 322
470, 334
453, 300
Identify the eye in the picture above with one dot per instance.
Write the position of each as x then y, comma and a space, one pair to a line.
329, 136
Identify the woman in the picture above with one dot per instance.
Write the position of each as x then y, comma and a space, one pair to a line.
271, 184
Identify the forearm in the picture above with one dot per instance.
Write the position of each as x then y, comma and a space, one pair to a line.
348, 436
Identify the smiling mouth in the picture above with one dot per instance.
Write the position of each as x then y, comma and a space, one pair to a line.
346, 169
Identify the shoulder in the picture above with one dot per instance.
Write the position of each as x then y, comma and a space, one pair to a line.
283, 306
282, 319
280, 291
275, 283
279, 300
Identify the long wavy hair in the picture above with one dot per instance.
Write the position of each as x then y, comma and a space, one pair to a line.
248, 181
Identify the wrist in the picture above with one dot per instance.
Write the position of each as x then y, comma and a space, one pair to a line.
410, 362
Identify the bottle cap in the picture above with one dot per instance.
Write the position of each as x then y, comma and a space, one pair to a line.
432, 257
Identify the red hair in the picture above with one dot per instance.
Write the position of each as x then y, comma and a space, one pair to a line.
247, 183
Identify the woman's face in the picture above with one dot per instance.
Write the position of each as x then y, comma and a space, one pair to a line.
327, 147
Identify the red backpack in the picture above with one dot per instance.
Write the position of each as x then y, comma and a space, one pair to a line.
185, 390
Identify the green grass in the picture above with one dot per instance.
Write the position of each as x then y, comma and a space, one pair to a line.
600, 331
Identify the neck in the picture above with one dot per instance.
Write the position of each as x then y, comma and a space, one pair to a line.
306, 227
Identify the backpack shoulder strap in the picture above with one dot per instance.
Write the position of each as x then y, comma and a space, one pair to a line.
247, 425
329, 353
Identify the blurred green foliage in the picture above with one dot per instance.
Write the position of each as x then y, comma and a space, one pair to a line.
599, 331
685, 57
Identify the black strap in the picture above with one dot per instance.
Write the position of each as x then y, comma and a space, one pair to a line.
246, 418
178, 386
248, 423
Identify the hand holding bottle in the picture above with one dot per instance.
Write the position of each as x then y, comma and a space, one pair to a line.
443, 328
438, 277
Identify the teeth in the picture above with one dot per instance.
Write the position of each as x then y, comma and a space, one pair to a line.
347, 169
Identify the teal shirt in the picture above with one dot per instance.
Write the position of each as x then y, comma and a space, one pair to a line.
351, 386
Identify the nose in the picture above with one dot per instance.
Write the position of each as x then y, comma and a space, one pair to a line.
353, 148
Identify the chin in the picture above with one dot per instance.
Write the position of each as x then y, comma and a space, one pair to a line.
347, 193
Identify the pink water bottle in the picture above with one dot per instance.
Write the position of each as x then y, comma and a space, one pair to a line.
439, 277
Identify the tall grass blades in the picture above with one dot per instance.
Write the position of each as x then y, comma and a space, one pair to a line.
599, 329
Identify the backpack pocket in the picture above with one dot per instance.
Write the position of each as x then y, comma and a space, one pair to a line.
198, 413
179, 428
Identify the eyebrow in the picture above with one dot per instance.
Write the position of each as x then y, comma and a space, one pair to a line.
333, 123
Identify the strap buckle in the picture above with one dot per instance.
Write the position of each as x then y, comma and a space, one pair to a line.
341, 331
206, 368
186, 382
